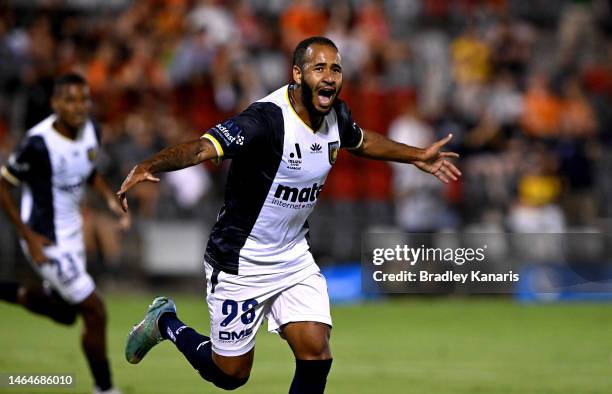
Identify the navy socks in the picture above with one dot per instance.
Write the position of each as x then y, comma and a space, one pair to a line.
101, 373
310, 376
197, 350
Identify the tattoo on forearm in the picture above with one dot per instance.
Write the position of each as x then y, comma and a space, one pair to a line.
175, 157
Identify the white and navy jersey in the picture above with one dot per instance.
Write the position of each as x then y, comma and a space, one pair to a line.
53, 170
279, 166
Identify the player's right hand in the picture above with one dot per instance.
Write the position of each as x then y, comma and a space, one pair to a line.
137, 175
434, 161
36, 244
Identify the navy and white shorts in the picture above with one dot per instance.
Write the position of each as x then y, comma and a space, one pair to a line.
238, 304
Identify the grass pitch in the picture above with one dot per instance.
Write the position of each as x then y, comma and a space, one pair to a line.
399, 346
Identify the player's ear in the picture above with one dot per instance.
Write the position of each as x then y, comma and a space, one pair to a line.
297, 75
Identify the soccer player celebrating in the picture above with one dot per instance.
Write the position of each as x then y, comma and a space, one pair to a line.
53, 163
257, 262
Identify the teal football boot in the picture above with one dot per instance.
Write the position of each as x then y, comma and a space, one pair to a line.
146, 334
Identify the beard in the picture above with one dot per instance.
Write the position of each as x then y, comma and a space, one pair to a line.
307, 99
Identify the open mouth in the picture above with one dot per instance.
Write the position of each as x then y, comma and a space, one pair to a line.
325, 96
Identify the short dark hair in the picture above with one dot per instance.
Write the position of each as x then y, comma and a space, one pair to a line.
68, 79
299, 54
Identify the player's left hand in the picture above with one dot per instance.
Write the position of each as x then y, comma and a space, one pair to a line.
435, 162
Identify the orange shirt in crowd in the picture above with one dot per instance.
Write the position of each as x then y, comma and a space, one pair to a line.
541, 113
301, 20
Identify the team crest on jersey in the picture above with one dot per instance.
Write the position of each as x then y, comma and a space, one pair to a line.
91, 154
332, 151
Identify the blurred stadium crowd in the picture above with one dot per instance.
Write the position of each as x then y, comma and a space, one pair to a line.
524, 86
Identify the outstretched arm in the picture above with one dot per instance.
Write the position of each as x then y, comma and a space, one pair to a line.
173, 158
431, 159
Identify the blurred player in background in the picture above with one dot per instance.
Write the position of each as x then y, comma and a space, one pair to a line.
257, 262
53, 164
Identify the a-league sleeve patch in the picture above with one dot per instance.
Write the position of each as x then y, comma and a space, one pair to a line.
229, 136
